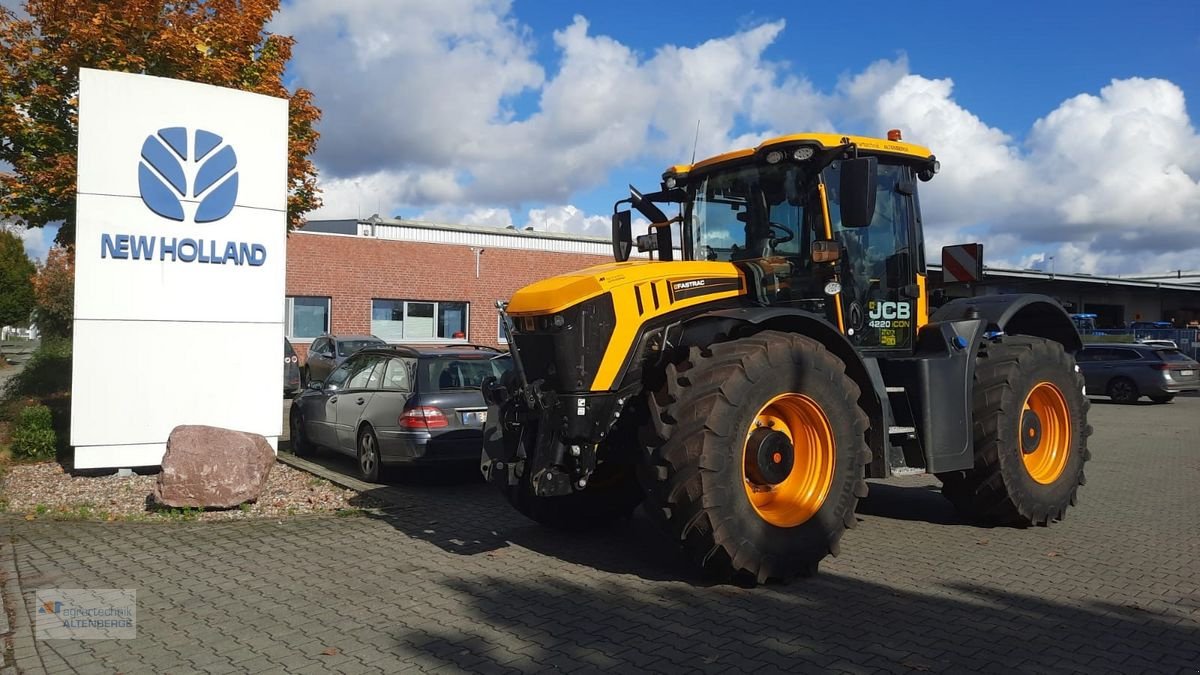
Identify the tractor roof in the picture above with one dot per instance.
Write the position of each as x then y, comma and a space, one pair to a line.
823, 141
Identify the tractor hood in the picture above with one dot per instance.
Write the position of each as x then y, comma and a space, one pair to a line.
675, 281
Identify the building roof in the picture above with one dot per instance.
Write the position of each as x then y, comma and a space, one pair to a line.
464, 235
1002, 273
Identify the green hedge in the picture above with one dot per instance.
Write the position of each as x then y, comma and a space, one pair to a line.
33, 436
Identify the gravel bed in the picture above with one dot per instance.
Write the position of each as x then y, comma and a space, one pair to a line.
45, 490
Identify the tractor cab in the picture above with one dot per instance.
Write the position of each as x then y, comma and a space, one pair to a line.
825, 224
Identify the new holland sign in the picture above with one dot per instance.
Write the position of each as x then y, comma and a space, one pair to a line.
180, 253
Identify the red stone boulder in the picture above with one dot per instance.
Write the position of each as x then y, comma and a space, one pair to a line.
210, 467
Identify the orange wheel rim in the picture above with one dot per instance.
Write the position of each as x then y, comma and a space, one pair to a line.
1045, 429
788, 459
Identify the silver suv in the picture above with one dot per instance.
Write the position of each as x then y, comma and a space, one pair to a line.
1126, 372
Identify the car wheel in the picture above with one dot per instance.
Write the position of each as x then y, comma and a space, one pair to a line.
368, 455
1123, 390
1163, 399
301, 445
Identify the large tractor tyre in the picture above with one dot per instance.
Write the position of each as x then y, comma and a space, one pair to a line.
1031, 435
757, 454
611, 494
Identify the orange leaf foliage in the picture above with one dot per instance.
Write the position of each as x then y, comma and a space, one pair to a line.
54, 291
220, 42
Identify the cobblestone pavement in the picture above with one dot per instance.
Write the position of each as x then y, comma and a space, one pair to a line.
453, 580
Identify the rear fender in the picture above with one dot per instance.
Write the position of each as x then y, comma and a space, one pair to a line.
1017, 314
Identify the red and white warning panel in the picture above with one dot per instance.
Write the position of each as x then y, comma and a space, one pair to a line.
962, 263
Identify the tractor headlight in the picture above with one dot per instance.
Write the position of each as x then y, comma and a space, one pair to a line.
802, 153
774, 157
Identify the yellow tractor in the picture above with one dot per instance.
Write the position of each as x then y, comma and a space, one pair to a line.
775, 350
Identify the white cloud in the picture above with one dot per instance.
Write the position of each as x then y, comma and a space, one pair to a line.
492, 217
37, 240
445, 109
568, 219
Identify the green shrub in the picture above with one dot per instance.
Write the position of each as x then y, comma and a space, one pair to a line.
33, 436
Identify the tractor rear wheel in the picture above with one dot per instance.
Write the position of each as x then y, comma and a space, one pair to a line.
612, 493
757, 454
1030, 435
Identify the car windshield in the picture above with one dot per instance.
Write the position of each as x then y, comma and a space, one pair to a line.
441, 373
1173, 356
348, 347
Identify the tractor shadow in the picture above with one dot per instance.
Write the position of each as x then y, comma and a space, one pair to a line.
922, 503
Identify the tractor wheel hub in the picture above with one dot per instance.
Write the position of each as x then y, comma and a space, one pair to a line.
1031, 432
769, 457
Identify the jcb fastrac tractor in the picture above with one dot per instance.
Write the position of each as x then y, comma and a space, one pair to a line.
775, 350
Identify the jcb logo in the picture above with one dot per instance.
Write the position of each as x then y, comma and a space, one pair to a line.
890, 310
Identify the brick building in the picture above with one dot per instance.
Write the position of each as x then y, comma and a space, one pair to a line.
413, 282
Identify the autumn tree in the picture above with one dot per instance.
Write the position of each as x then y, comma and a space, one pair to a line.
220, 42
54, 292
16, 291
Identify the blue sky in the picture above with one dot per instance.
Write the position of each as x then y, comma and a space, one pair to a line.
1064, 129
1011, 62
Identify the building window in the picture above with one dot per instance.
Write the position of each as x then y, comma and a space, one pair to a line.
417, 320
306, 317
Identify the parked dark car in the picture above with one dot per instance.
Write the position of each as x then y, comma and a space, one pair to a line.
399, 405
291, 370
329, 351
1126, 372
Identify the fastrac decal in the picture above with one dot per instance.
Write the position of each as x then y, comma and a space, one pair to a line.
178, 169
168, 170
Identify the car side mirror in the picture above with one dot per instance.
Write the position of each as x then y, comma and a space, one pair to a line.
857, 191
316, 385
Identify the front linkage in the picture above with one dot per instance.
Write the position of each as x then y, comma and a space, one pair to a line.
551, 436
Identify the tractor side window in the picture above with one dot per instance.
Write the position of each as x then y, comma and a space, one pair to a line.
877, 261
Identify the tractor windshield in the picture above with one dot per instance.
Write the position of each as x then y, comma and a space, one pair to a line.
754, 211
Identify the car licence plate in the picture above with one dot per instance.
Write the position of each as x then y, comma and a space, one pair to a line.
476, 417
1187, 373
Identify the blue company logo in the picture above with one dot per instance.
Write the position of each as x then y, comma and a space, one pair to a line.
167, 162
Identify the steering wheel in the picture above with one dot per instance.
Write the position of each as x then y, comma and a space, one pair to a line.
787, 234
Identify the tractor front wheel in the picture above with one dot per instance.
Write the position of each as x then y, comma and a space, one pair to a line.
757, 455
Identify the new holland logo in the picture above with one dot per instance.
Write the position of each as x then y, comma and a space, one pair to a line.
173, 170
183, 171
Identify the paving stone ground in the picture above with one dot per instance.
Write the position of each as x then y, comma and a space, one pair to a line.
453, 580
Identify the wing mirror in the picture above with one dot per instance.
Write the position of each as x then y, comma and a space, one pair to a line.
622, 235
316, 385
856, 191
826, 251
